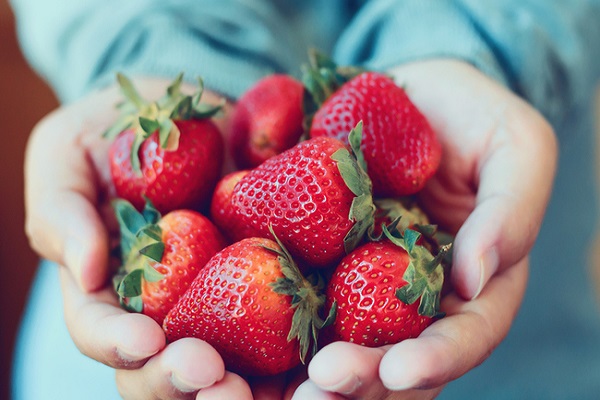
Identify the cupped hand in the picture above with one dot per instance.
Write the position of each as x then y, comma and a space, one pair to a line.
492, 188
69, 221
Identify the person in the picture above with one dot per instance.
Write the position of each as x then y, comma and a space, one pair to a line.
495, 79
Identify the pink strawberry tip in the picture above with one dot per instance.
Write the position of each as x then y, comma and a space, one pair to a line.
424, 275
140, 245
352, 167
146, 117
308, 299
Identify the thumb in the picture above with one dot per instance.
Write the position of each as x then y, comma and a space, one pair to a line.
62, 222
514, 184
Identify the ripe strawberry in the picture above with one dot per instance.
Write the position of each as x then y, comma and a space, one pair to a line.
252, 304
316, 196
376, 289
401, 150
161, 256
267, 120
222, 212
168, 151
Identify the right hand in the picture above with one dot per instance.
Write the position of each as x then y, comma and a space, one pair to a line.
69, 221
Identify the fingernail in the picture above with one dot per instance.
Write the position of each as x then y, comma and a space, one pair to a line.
347, 386
132, 356
181, 384
405, 384
488, 265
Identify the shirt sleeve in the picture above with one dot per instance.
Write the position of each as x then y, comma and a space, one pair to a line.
544, 50
80, 44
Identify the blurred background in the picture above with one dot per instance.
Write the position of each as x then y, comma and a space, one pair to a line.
24, 99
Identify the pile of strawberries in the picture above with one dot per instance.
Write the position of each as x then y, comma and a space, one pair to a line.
317, 231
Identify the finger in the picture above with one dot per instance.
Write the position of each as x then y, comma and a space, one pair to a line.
309, 390
459, 342
62, 222
512, 195
105, 332
178, 372
232, 386
348, 369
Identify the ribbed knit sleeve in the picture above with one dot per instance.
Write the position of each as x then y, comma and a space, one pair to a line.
79, 44
545, 50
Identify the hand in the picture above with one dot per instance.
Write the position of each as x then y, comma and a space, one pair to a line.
69, 221
492, 189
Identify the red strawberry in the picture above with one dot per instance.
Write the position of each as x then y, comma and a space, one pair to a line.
376, 289
222, 212
316, 196
266, 120
168, 151
401, 150
253, 306
161, 256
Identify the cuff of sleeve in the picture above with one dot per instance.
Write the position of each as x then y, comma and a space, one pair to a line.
387, 34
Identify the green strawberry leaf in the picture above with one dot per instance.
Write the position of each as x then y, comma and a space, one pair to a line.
129, 91
131, 285
136, 165
133, 304
174, 89
149, 126
183, 110
362, 210
154, 251
124, 122
355, 139
151, 274
150, 213
410, 239
130, 223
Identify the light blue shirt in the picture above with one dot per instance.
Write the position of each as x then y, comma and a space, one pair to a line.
546, 51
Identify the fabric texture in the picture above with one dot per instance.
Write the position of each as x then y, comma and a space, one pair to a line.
546, 51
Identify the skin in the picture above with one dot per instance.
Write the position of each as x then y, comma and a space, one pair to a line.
487, 186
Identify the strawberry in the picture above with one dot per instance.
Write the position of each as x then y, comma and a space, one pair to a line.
267, 120
252, 304
376, 289
316, 196
401, 149
161, 256
222, 212
168, 151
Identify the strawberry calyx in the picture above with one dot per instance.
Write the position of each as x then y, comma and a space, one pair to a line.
424, 275
146, 117
141, 246
352, 167
321, 78
308, 299
403, 209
